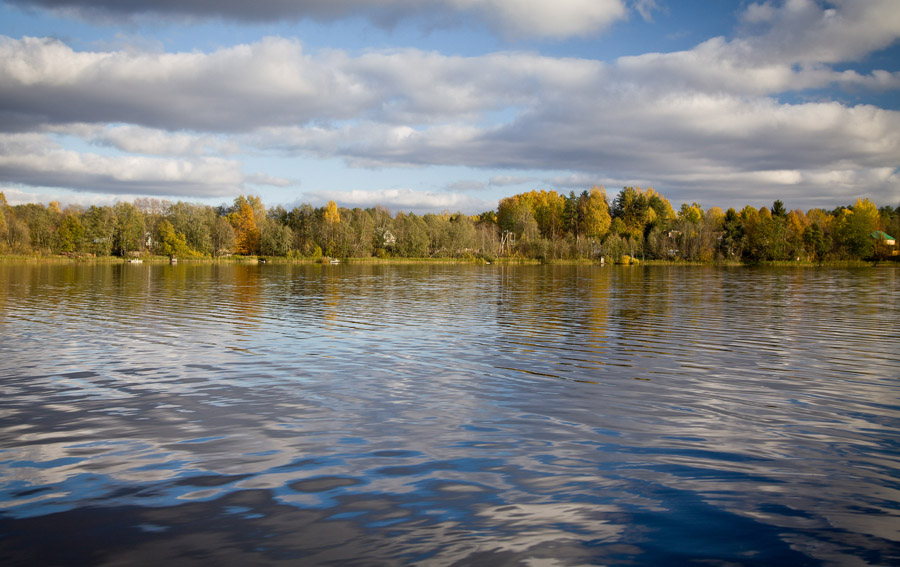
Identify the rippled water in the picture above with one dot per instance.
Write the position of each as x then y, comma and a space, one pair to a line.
448, 415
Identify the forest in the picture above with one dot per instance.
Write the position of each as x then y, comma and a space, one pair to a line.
635, 225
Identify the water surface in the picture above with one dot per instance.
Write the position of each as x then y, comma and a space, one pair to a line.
448, 415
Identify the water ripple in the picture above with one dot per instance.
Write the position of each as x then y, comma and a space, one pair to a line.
449, 414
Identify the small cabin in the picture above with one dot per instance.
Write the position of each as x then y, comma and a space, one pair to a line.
885, 238
885, 244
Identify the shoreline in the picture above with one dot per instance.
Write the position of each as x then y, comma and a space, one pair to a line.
281, 260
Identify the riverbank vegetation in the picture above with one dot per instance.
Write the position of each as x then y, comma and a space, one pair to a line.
635, 225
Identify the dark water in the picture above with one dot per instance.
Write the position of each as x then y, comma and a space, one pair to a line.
448, 415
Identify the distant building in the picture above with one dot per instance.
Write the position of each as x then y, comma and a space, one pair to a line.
885, 244
887, 239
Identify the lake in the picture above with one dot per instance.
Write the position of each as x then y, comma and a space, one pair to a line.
227, 414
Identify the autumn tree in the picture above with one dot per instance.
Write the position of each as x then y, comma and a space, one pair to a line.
547, 208
195, 222
70, 234
662, 212
515, 215
757, 228
853, 227
797, 222
546, 225
331, 225
593, 218
246, 230
631, 206
17, 234
170, 242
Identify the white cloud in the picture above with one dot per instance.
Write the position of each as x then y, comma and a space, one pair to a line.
639, 135
36, 160
271, 82
788, 47
757, 13
151, 141
807, 31
236, 88
514, 18
693, 120
148, 141
720, 66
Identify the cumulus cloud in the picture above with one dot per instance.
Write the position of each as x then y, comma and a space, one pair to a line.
149, 141
518, 18
36, 160
690, 120
271, 82
631, 134
807, 31
785, 47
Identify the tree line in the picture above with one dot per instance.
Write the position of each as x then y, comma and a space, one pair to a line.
546, 225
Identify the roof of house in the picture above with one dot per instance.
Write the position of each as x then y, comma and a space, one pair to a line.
882, 235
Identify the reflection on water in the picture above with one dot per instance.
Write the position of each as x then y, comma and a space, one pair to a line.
471, 415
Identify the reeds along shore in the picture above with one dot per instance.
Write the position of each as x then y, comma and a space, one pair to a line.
636, 226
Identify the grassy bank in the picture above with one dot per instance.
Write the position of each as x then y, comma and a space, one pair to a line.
48, 259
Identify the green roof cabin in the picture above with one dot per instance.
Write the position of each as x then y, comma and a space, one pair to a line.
884, 237
885, 244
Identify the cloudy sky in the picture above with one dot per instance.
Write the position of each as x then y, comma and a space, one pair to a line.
431, 105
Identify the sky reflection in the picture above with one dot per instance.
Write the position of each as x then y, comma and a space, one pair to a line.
529, 415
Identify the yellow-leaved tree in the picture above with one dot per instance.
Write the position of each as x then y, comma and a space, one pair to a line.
246, 231
331, 217
170, 242
593, 214
332, 214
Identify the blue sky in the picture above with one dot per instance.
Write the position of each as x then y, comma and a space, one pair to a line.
432, 105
